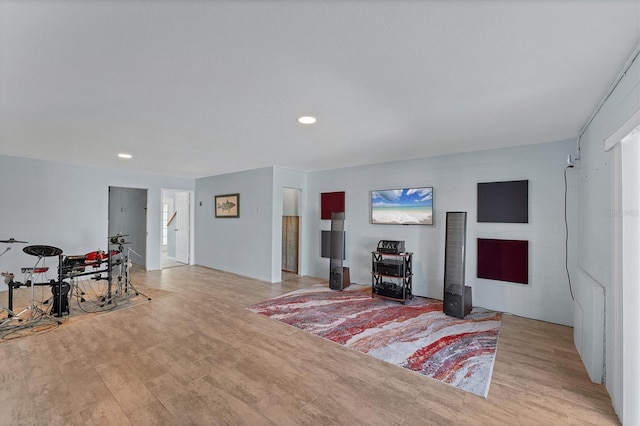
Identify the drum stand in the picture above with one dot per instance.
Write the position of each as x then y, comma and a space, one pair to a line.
76, 291
125, 286
34, 310
8, 280
11, 316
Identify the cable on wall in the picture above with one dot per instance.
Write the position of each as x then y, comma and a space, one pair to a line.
566, 232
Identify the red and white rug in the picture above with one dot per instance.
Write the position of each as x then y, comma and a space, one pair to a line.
417, 336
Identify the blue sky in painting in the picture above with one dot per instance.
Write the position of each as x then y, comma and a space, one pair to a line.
408, 197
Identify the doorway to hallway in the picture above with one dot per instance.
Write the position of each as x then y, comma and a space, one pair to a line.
290, 231
176, 240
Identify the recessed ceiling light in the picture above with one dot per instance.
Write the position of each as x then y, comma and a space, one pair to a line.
125, 155
306, 119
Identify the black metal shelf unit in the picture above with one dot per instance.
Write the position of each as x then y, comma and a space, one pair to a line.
391, 275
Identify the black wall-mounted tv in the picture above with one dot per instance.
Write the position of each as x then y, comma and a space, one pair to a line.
504, 202
407, 206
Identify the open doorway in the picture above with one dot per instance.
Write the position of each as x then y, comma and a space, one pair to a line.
128, 216
290, 230
175, 228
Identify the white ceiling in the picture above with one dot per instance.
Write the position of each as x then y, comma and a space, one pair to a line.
200, 88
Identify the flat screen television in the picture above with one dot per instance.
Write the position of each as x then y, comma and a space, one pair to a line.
504, 202
406, 206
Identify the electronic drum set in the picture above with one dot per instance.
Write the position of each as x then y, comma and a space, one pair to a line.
98, 280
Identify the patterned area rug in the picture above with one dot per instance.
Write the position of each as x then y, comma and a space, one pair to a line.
417, 336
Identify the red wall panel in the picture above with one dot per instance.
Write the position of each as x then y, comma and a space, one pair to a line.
331, 202
503, 260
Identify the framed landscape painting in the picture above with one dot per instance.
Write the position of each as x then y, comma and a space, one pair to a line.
227, 205
407, 206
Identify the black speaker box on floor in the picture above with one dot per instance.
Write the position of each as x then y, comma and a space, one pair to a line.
339, 281
457, 304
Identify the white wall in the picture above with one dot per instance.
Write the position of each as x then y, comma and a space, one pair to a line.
252, 244
595, 228
455, 178
240, 245
66, 206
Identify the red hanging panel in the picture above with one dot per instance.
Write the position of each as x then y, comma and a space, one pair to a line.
503, 260
331, 202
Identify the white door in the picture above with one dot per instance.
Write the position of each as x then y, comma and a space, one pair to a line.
182, 227
625, 371
630, 236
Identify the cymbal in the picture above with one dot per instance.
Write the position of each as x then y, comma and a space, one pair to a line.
12, 240
119, 235
42, 251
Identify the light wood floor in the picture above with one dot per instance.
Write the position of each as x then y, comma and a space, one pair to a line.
199, 357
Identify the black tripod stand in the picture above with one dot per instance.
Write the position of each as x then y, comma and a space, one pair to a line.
125, 287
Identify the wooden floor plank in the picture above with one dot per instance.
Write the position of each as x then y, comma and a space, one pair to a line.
198, 356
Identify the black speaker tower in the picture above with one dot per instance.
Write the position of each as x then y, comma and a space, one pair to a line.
457, 296
339, 278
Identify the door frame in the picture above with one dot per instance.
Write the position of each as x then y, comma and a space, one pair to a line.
170, 192
143, 234
298, 209
625, 388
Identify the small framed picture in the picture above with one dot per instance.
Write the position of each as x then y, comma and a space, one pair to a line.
227, 205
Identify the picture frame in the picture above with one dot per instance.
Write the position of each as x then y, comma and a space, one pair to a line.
226, 206
406, 206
